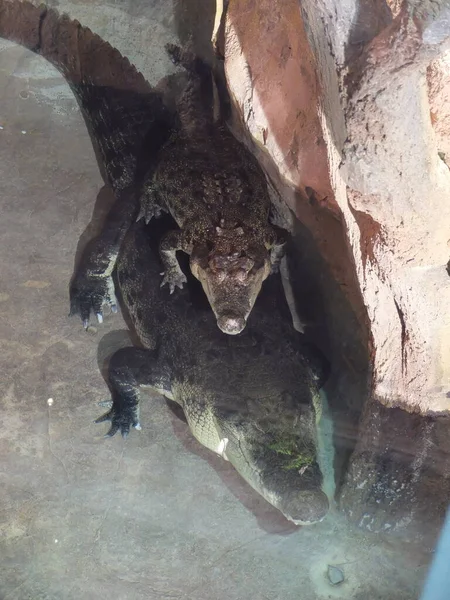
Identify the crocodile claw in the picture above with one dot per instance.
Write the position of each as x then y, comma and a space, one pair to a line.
120, 422
174, 278
113, 430
89, 295
103, 418
143, 215
150, 209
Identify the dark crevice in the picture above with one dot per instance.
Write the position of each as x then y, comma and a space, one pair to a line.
42, 17
404, 337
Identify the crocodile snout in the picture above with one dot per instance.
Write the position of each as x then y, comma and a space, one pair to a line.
306, 507
231, 324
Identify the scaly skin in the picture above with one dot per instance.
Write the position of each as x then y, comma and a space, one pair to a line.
217, 193
191, 166
125, 117
247, 397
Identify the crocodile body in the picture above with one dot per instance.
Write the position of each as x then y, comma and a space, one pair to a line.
217, 193
252, 398
188, 164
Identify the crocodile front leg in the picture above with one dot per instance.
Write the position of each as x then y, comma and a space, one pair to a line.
151, 203
130, 368
92, 285
171, 243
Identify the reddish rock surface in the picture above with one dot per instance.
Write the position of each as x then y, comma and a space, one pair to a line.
276, 93
352, 100
276, 90
362, 139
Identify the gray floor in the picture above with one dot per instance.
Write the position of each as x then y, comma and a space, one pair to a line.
156, 516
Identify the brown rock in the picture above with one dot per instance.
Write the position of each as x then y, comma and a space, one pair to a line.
347, 106
385, 189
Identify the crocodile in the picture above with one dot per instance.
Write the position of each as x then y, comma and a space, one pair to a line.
217, 193
253, 398
185, 162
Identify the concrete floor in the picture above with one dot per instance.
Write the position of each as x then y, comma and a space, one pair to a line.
155, 516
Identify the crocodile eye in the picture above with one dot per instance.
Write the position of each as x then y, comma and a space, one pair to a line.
241, 275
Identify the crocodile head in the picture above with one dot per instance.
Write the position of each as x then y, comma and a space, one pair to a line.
231, 276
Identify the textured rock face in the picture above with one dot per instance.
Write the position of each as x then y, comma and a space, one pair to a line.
397, 481
438, 79
395, 176
348, 105
352, 121
275, 89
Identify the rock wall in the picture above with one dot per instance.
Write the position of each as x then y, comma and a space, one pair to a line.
347, 107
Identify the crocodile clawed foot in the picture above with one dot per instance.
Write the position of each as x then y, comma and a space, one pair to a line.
89, 295
148, 213
121, 420
150, 208
174, 278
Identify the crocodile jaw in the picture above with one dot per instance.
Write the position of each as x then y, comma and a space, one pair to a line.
230, 297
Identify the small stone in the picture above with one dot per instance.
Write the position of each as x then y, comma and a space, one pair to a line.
335, 575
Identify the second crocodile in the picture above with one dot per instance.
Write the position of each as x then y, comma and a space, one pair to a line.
253, 398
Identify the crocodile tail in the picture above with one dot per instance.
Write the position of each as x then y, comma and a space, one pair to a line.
196, 105
106, 86
186, 58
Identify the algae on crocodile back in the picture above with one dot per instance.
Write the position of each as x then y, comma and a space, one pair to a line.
299, 455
